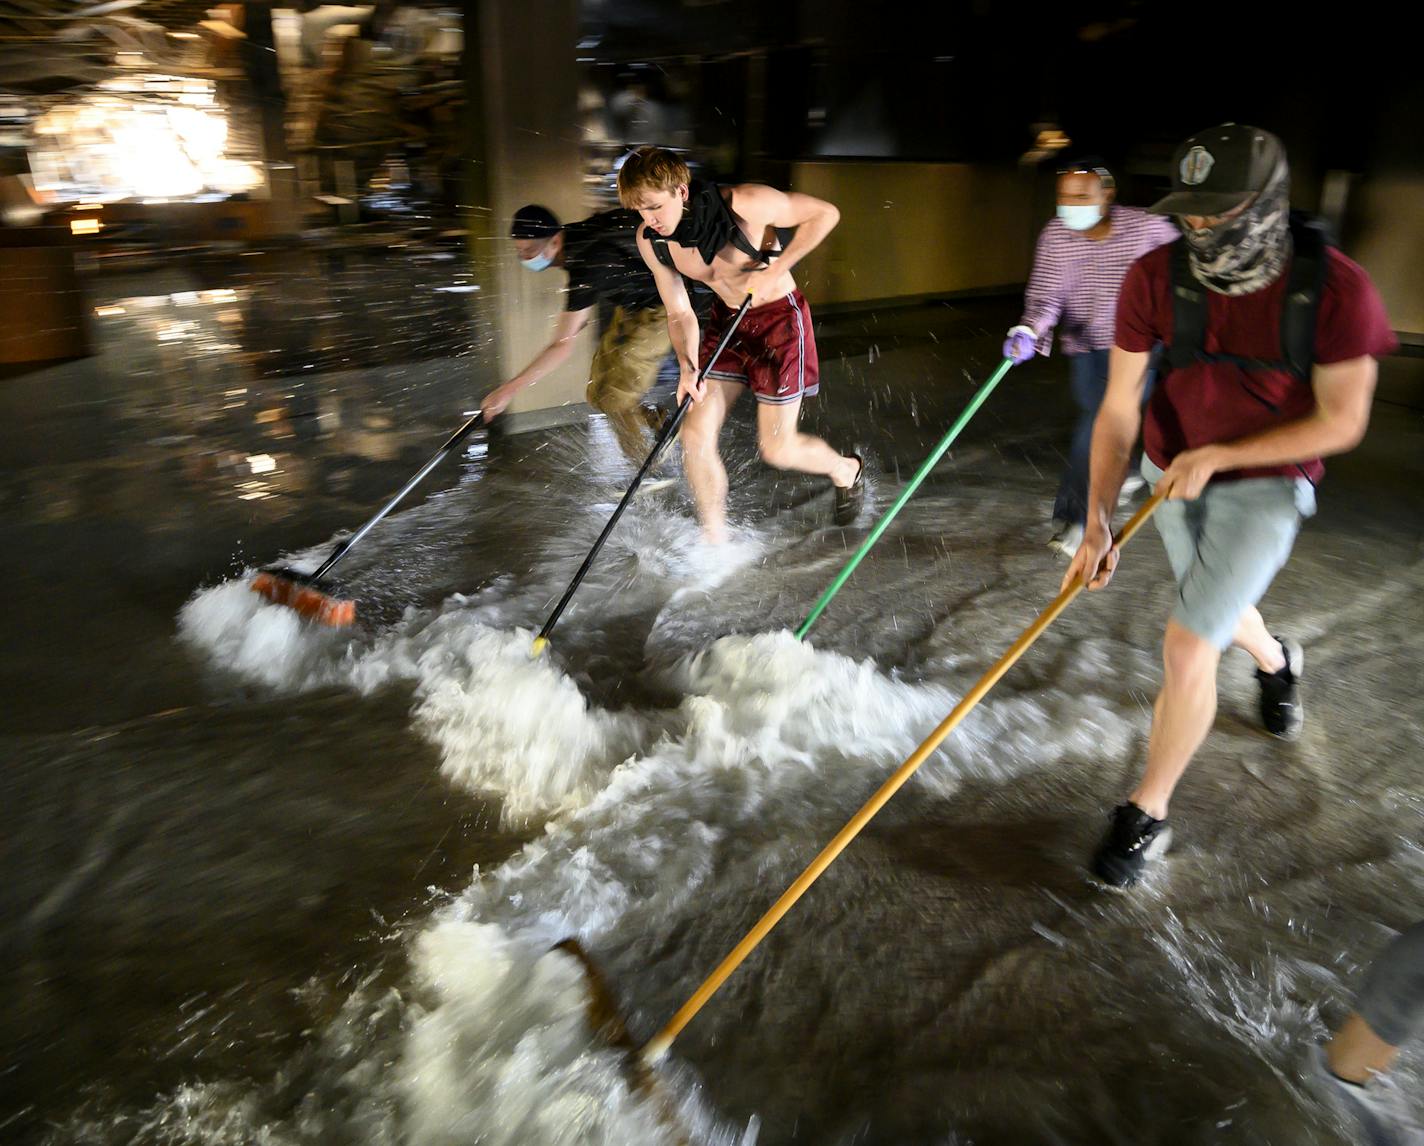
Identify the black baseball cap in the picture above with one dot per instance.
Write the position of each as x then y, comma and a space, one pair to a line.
1221, 168
534, 222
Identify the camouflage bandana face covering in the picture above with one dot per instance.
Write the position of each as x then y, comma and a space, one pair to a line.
1248, 252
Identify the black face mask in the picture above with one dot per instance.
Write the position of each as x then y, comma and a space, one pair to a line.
707, 224
1248, 252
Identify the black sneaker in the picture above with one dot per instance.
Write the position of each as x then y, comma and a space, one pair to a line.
1133, 840
850, 500
1281, 712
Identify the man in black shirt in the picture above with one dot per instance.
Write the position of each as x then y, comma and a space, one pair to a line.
601, 257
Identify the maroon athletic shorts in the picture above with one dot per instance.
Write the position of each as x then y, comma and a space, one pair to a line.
773, 351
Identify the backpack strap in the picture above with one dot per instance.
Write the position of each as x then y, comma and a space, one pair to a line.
660, 248
1304, 287
728, 225
1188, 312
745, 245
739, 240
1304, 284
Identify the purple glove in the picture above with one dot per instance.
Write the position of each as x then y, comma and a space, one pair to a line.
1019, 345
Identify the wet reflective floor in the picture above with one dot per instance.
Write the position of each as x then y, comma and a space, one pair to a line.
239, 901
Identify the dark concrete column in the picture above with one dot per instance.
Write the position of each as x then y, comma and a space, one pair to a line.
522, 144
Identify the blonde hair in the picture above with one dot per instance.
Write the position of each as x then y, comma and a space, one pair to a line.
650, 169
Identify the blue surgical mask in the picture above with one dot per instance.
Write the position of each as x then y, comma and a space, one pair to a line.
1079, 218
537, 263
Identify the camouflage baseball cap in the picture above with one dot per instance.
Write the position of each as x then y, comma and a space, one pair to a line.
1220, 168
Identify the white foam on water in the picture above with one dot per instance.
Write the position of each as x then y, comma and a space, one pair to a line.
504, 721
499, 1040
775, 739
193, 1114
502, 1053
489, 1044
774, 745
237, 629
509, 722
651, 557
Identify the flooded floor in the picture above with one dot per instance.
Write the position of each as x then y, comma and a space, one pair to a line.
267, 884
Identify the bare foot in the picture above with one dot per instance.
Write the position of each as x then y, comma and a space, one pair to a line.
844, 475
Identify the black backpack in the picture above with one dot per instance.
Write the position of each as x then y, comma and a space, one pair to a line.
618, 228
1310, 238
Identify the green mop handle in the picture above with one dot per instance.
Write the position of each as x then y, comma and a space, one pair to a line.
880, 526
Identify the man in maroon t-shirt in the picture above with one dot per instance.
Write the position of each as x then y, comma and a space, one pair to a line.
1233, 438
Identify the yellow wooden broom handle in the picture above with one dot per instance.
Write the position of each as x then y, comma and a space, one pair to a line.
658, 1045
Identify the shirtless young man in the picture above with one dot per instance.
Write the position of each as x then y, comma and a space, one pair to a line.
726, 237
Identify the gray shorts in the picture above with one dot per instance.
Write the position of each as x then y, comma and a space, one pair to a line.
1392, 1000
1227, 546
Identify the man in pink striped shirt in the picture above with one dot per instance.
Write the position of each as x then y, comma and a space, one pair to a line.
1082, 257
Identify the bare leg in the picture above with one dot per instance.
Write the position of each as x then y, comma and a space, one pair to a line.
1356, 1053
1392, 995
701, 459
1251, 634
1181, 716
784, 446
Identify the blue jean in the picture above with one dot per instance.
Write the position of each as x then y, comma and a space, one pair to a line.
1088, 379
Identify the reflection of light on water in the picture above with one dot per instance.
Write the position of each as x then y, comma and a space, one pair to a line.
254, 490
181, 298
262, 463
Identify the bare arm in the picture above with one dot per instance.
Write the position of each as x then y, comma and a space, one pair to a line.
1114, 434
813, 218
681, 319
1343, 391
554, 355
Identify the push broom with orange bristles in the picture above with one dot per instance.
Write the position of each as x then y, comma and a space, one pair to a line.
305, 593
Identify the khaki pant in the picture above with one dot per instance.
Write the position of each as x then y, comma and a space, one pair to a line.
625, 366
